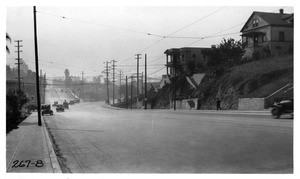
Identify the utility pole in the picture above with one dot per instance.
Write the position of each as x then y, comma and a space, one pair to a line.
18, 59
120, 85
174, 83
131, 92
126, 95
146, 81
45, 88
37, 69
113, 68
81, 91
142, 85
137, 80
107, 82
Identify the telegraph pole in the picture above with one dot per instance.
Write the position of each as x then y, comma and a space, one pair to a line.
142, 85
113, 68
37, 69
81, 91
120, 85
18, 59
126, 95
131, 92
146, 81
45, 88
137, 81
107, 82
174, 87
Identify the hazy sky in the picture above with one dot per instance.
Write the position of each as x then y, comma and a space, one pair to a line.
88, 36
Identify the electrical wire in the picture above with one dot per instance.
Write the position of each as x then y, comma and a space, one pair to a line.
156, 71
163, 37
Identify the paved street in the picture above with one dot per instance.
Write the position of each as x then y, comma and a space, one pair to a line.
92, 139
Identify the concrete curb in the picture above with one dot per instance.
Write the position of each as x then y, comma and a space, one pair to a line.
54, 161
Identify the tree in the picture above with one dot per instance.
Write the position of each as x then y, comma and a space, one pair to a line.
68, 79
228, 52
9, 40
67, 74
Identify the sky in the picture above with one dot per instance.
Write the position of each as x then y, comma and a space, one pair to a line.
83, 38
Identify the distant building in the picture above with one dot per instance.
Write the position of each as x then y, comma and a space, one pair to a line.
190, 60
268, 34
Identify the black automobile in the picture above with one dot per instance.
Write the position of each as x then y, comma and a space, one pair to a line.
66, 104
46, 109
71, 102
59, 108
282, 107
55, 103
77, 100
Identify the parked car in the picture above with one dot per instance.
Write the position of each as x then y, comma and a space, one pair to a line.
72, 102
60, 107
46, 109
282, 107
66, 104
77, 100
55, 103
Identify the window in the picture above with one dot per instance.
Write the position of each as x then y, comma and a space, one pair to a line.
193, 55
281, 36
182, 57
254, 22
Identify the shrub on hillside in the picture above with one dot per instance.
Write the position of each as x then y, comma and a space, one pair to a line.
14, 104
228, 52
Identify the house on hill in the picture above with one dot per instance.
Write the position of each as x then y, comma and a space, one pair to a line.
190, 60
268, 34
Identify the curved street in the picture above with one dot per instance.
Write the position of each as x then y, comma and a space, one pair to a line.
90, 138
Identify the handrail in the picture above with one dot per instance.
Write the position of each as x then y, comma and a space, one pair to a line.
278, 91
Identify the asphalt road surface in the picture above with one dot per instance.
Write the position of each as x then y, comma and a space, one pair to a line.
92, 139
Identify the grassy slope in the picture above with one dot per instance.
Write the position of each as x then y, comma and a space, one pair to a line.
254, 79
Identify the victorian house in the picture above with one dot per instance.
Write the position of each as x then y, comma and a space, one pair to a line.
268, 34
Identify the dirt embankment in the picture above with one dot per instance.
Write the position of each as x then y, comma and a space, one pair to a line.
253, 79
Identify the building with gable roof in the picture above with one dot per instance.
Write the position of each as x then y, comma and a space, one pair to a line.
268, 34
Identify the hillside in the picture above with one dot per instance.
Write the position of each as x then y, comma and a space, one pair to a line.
253, 79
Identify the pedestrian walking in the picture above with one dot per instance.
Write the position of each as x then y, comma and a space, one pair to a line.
218, 104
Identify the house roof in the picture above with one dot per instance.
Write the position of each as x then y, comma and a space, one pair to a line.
275, 19
177, 50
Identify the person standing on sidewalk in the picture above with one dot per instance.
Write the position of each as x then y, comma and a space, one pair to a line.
218, 104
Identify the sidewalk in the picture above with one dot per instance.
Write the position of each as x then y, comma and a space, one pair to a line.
29, 149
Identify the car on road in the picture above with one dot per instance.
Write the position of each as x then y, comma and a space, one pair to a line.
59, 108
46, 109
55, 103
282, 107
77, 100
66, 104
71, 102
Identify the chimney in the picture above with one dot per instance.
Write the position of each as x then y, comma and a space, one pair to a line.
213, 46
281, 11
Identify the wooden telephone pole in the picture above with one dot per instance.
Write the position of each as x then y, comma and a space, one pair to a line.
37, 69
18, 59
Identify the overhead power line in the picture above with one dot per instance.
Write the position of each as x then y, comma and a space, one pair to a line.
163, 37
156, 71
